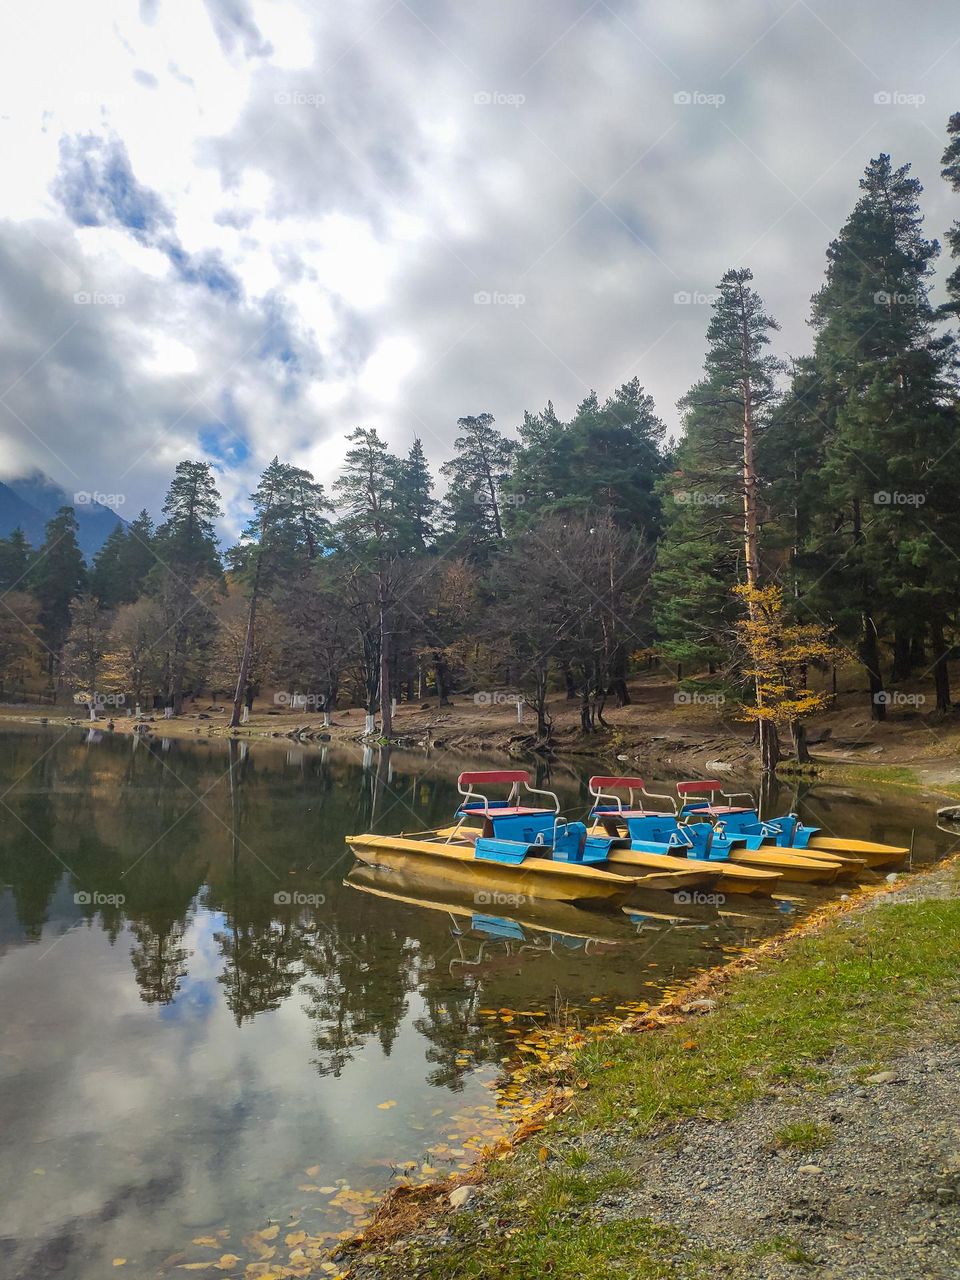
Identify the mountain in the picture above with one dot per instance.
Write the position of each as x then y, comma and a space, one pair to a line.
31, 500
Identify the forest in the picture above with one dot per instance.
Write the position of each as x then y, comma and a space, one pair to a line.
807, 518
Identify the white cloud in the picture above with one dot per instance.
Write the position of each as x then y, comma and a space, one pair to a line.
363, 172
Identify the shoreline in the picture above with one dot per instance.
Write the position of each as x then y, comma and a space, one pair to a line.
458, 730
414, 1230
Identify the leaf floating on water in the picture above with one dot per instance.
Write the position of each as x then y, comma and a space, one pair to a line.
119, 1262
327, 1191
194, 1266
295, 1237
227, 1262
385, 1106
313, 1171
269, 1233
209, 1242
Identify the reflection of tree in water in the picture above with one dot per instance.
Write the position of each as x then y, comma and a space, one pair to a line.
264, 961
357, 984
450, 1026
159, 960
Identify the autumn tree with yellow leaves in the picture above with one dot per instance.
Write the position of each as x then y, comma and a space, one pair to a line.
779, 653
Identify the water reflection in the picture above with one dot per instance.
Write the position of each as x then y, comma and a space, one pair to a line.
203, 998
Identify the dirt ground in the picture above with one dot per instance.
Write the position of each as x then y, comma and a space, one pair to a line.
658, 726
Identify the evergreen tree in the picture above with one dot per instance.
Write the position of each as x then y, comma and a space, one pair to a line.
373, 532
105, 579
608, 459
473, 506
186, 576
14, 560
414, 496
57, 575
877, 393
186, 541
951, 171
283, 537
137, 558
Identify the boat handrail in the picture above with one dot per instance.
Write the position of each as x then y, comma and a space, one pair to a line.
516, 778
628, 784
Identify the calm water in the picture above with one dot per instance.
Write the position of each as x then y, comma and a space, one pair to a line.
205, 1030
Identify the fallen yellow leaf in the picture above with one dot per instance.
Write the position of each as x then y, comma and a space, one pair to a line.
227, 1261
295, 1237
269, 1233
385, 1106
119, 1262
210, 1242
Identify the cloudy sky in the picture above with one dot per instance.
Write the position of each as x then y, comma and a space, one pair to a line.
231, 228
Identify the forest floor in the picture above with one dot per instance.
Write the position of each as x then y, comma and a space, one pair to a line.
658, 729
797, 1115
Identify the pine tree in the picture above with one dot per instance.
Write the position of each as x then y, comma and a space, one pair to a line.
476, 475
608, 459
374, 531
186, 541
951, 172
106, 585
14, 560
186, 575
57, 576
414, 496
877, 391
282, 538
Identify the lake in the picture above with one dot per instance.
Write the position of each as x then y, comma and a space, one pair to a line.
209, 1031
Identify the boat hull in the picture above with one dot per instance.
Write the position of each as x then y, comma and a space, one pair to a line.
534, 878
725, 877
792, 866
872, 854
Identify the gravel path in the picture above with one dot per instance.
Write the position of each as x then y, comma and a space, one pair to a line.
877, 1201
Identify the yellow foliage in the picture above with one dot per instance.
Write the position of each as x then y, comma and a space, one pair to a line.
779, 652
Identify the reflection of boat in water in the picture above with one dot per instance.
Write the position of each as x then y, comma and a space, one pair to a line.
495, 914
519, 850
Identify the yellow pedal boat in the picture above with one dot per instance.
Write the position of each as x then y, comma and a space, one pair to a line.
535, 877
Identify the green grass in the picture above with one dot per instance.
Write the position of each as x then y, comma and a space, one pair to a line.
804, 1135
851, 995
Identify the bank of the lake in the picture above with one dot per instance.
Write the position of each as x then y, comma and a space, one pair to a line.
655, 732
792, 1114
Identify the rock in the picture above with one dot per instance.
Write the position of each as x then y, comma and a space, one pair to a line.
883, 1077
696, 1005
809, 1168
461, 1197
946, 1195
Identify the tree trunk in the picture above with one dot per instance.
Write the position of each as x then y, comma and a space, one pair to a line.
386, 711
870, 657
799, 732
901, 655
247, 655
941, 672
